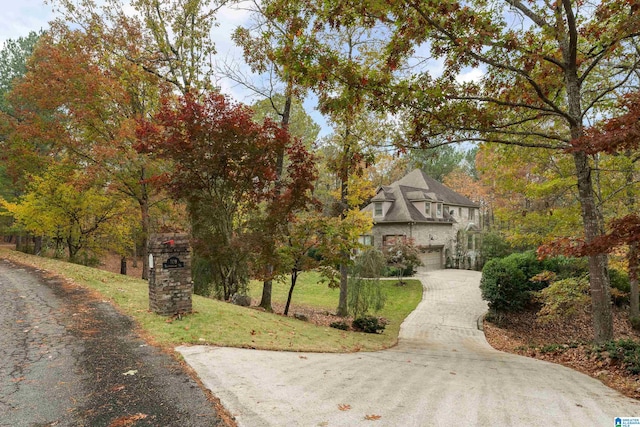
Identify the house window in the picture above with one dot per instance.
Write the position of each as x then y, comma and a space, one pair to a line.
472, 214
439, 210
377, 209
460, 212
427, 208
392, 239
366, 240
470, 240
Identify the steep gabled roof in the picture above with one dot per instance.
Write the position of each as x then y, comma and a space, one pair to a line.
416, 187
418, 179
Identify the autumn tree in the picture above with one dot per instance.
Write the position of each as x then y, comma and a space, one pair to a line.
82, 219
83, 102
618, 135
547, 69
225, 170
269, 48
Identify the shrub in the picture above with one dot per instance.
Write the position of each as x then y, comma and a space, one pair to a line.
511, 281
494, 245
504, 285
619, 280
369, 324
340, 325
563, 299
397, 272
403, 256
627, 352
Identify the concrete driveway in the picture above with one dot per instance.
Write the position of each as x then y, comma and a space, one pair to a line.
442, 373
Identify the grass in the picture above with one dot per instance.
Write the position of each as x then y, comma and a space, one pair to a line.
401, 300
219, 323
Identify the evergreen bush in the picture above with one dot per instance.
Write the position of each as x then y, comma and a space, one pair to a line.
369, 324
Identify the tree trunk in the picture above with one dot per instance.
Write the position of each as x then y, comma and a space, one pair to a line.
294, 279
37, 245
146, 227
135, 255
591, 218
123, 265
267, 285
632, 254
265, 301
634, 298
342, 310
598, 274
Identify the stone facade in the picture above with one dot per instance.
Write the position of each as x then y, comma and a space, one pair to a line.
170, 283
443, 224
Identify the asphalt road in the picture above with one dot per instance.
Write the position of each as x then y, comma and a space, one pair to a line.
70, 359
442, 373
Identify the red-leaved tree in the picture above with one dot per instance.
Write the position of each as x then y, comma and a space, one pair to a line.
225, 171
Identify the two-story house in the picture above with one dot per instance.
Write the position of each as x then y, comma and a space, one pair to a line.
443, 224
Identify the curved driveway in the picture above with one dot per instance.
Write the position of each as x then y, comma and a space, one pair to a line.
442, 373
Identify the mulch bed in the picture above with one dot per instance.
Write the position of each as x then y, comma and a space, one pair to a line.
567, 343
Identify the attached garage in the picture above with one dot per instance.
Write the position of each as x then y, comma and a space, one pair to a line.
431, 259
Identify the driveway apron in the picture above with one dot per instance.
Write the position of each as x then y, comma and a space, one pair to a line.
442, 373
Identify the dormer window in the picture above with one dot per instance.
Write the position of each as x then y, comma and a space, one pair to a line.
377, 209
427, 208
439, 210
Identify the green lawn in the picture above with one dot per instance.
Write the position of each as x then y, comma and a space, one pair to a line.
218, 323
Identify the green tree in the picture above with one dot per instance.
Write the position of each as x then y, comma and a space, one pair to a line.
300, 123
437, 162
269, 48
365, 292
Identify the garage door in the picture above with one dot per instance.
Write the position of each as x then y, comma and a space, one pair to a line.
431, 259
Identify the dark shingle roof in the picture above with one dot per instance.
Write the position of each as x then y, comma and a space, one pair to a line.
415, 187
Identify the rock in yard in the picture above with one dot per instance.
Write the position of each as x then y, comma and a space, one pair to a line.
301, 316
239, 299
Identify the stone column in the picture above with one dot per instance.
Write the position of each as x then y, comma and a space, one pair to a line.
170, 284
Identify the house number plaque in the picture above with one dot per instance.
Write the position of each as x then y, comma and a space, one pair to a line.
173, 262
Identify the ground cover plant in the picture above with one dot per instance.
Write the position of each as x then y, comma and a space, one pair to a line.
218, 323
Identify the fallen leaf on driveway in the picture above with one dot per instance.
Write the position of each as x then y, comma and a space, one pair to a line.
127, 420
344, 407
302, 357
372, 417
131, 372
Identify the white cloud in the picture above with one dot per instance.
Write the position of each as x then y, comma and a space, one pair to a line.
470, 75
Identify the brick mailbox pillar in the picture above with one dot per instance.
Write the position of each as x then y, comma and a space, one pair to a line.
170, 284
